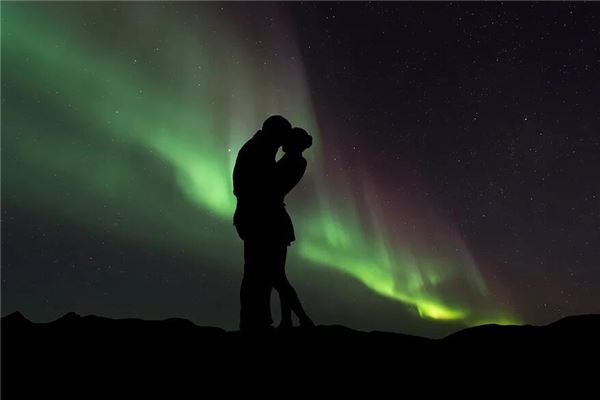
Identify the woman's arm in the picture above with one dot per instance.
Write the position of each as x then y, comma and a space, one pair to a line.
288, 172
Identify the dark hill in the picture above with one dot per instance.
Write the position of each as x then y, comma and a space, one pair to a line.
103, 352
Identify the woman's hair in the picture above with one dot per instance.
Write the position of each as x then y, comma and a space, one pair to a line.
298, 141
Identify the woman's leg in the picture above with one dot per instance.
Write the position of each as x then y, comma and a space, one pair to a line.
287, 294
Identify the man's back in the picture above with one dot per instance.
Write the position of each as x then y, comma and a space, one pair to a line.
252, 166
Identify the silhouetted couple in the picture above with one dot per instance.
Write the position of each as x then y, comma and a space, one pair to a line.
260, 184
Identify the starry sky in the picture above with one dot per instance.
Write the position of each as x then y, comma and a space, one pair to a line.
454, 178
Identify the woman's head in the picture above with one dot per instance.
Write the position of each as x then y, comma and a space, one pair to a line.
298, 141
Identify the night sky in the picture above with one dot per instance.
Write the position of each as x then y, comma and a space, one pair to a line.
454, 178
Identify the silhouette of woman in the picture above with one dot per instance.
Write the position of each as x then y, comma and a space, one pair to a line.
289, 170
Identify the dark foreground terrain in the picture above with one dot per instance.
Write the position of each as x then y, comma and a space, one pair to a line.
101, 354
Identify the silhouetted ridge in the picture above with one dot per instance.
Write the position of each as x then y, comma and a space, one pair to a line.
90, 348
573, 327
584, 320
583, 326
15, 318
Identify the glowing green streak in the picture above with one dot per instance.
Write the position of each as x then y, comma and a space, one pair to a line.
135, 115
375, 267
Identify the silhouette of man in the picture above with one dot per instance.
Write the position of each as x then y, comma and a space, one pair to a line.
261, 220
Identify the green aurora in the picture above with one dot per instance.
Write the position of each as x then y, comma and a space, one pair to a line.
112, 119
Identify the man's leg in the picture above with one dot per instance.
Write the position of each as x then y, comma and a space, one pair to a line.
245, 289
255, 291
277, 276
286, 312
263, 286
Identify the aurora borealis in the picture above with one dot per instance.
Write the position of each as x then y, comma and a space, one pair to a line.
123, 120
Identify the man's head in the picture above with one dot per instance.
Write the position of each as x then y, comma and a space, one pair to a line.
276, 129
298, 141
